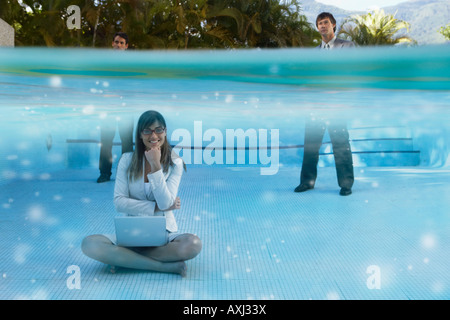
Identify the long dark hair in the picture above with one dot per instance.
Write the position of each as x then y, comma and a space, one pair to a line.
145, 121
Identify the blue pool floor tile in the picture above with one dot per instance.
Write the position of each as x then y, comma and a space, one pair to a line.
388, 240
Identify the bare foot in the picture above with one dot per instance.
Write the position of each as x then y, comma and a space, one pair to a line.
178, 267
112, 269
172, 267
182, 269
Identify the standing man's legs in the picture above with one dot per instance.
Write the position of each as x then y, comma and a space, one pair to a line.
126, 124
314, 131
342, 156
107, 132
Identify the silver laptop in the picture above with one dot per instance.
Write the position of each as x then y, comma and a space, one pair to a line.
141, 231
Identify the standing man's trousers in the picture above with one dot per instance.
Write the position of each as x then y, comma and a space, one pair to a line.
314, 132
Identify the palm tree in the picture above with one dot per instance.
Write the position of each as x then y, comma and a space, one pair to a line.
260, 23
375, 28
284, 26
162, 24
445, 31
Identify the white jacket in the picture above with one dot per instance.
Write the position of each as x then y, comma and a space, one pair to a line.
130, 197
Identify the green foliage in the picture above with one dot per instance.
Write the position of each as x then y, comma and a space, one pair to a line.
445, 31
161, 24
375, 28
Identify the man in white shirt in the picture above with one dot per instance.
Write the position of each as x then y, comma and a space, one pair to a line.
337, 129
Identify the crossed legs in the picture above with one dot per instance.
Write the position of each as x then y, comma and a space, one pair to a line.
169, 258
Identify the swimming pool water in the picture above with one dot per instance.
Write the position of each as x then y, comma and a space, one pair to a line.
396, 102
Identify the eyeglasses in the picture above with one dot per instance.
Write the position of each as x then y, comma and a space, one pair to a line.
157, 130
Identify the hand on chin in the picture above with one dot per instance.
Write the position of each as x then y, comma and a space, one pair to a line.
153, 155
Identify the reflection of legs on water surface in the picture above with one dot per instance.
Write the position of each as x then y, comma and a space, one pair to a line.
169, 258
